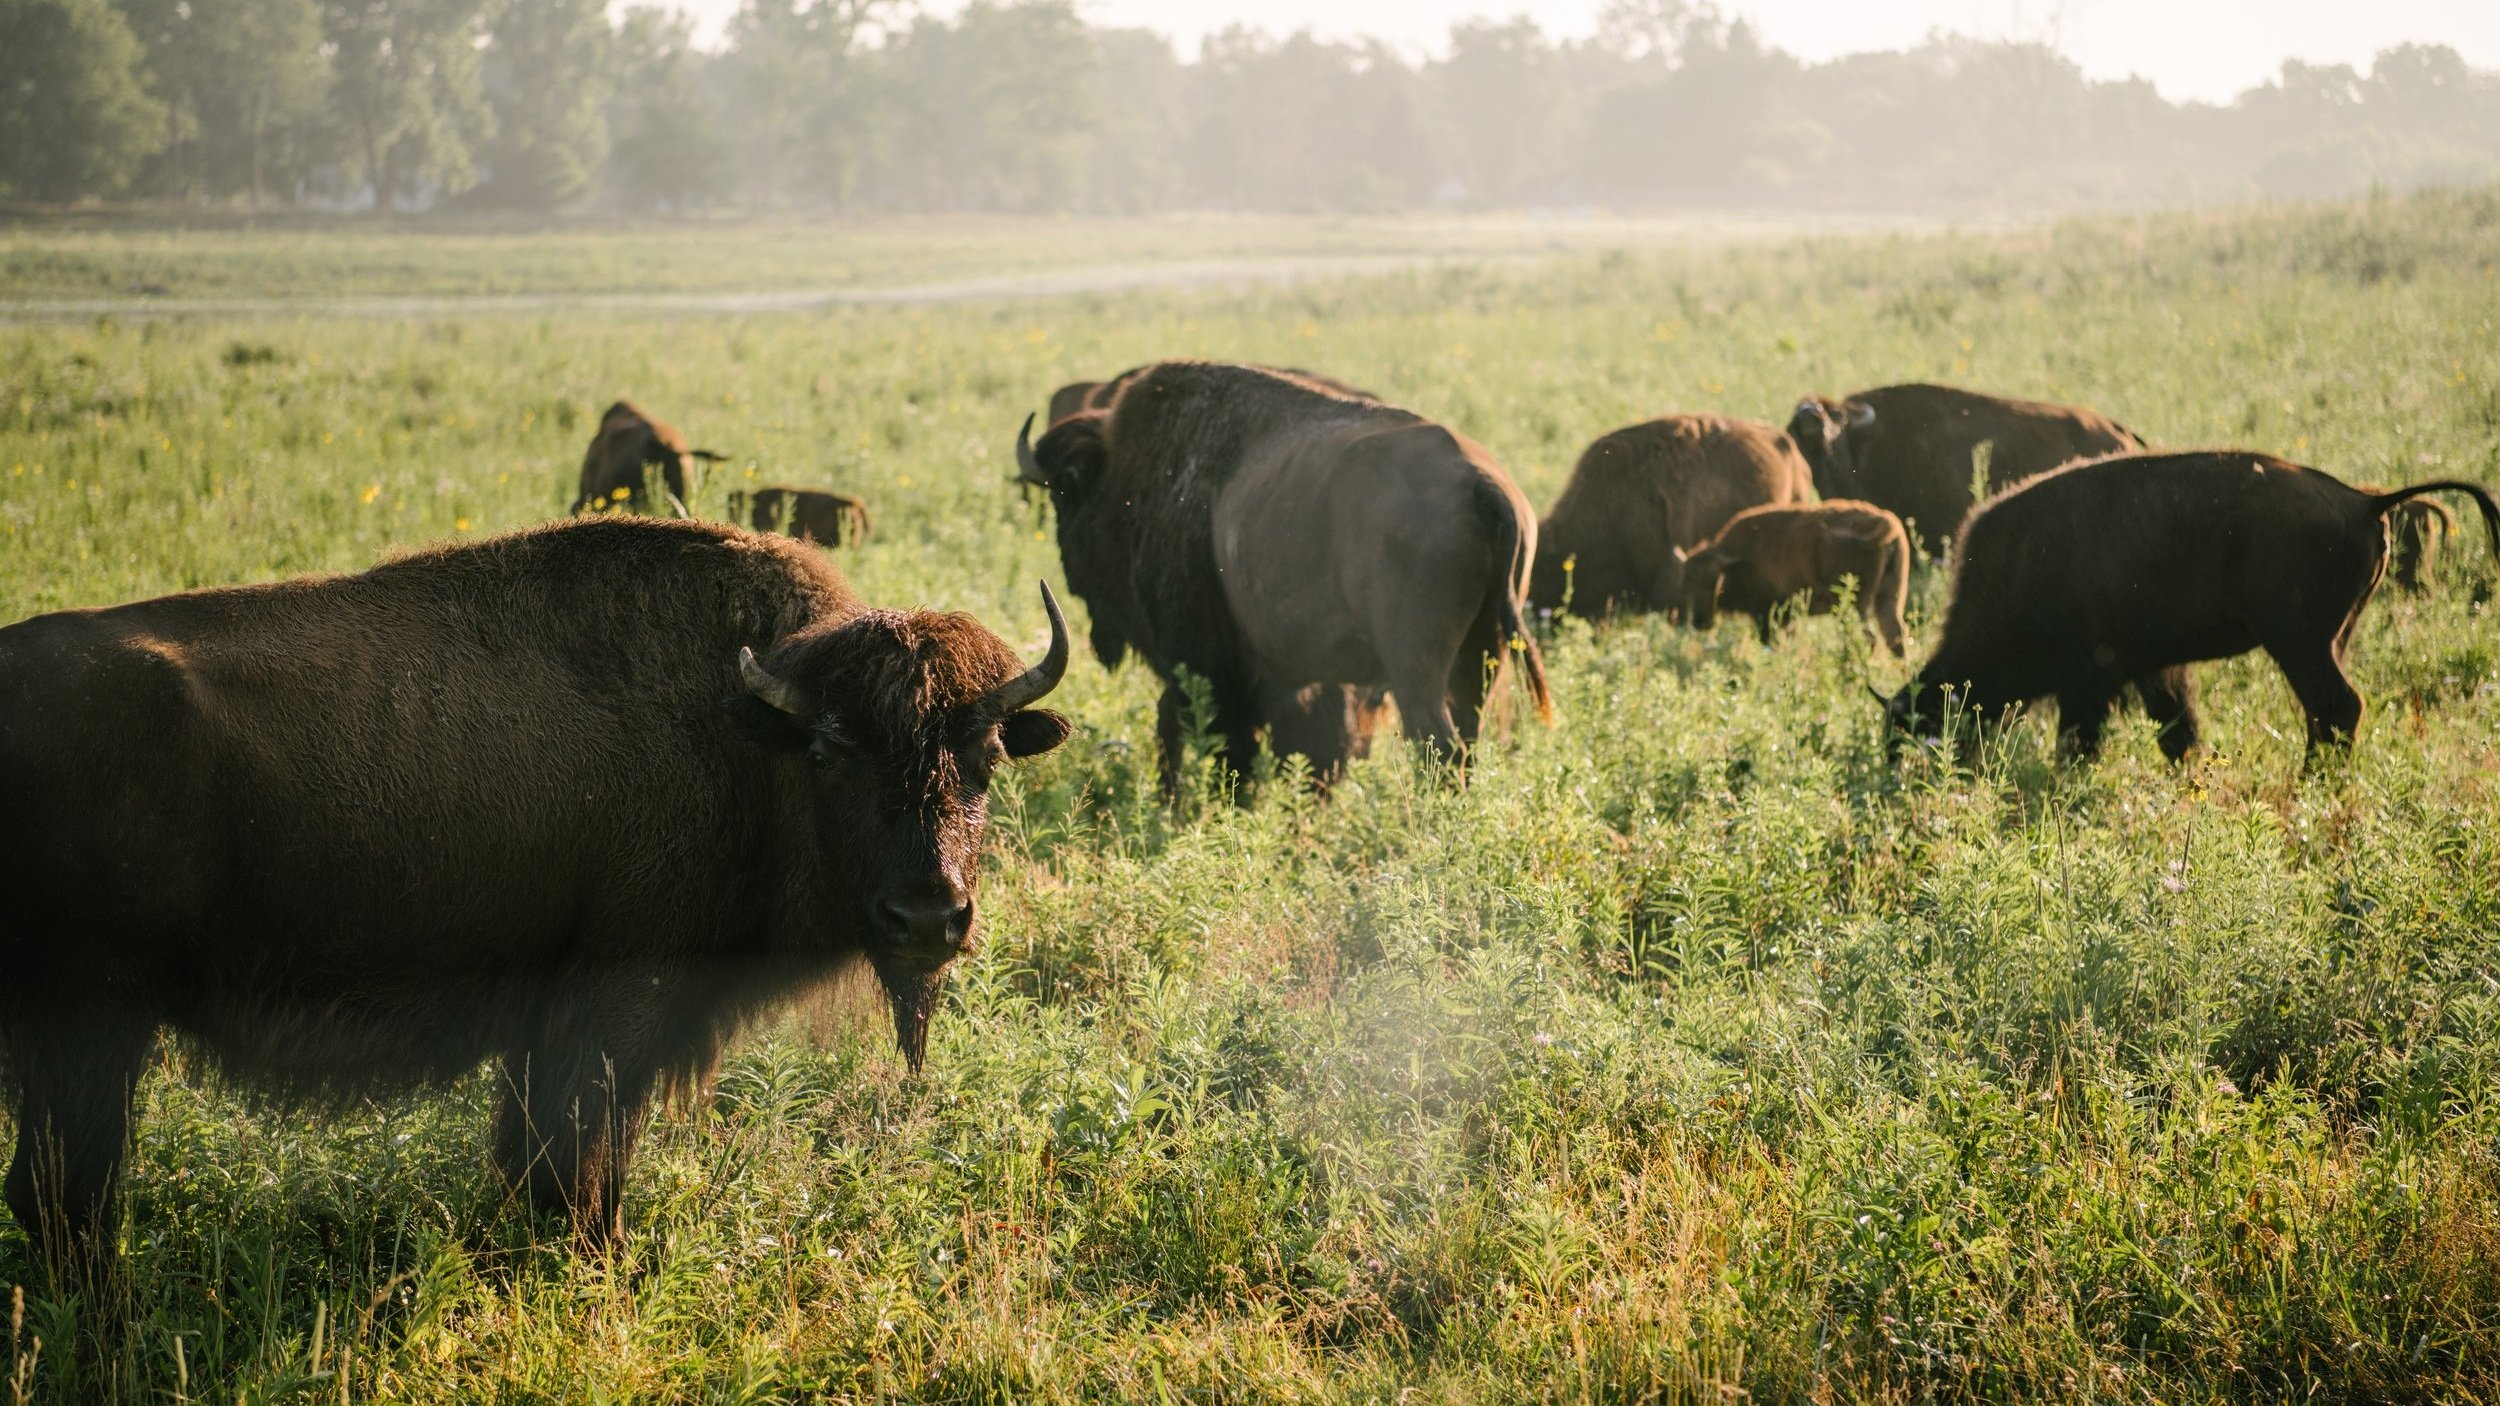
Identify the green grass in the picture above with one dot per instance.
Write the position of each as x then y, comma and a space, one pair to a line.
1691, 1048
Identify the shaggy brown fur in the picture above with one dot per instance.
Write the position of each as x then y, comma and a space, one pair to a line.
1911, 449
523, 799
1255, 531
2128, 569
1644, 494
1079, 396
809, 514
1765, 557
629, 443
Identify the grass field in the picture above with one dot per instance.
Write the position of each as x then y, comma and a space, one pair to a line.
1691, 1052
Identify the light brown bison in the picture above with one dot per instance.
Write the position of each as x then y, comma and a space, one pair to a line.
579, 800
2127, 570
1643, 495
809, 514
1765, 557
628, 444
1911, 449
1296, 550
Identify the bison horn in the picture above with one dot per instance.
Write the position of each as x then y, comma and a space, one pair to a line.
1029, 464
1861, 414
1878, 695
765, 684
1028, 688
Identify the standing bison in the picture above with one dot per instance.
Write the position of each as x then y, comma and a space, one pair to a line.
1765, 557
1295, 549
628, 444
1911, 449
809, 514
2127, 570
581, 799
1077, 397
2416, 530
1643, 495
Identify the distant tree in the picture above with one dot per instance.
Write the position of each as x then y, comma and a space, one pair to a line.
1133, 156
241, 81
75, 116
998, 105
407, 115
548, 80
670, 151
1499, 96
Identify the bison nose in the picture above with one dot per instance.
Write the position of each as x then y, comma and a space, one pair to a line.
927, 919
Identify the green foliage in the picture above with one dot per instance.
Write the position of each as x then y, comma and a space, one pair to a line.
1692, 1048
549, 92
75, 118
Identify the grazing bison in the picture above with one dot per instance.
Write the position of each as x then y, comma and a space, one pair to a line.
1766, 556
1078, 396
1297, 550
809, 514
1910, 449
2126, 570
1644, 494
580, 799
629, 443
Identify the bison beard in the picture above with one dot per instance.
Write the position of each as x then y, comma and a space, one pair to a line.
2122, 572
536, 799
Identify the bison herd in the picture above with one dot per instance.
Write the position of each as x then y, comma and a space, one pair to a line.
582, 799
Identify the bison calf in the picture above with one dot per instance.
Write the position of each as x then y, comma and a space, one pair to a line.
809, 514
1644, 494
1765, 556
628, 444
2126, 570
579, 800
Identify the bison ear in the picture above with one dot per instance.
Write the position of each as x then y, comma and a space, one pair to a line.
1033, 732
765, 725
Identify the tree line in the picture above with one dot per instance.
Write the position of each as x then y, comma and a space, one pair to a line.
859, 106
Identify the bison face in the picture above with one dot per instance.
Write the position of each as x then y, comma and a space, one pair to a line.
1823, 429
900, 717
1704, 572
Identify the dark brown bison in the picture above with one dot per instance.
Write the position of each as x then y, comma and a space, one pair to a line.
628, 444
1078, 396
1767, 556
809, 514
2127, 570
1911, 449
580, 800
1642, 495
1296, 550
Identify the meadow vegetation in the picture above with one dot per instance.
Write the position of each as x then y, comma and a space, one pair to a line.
1693, 1049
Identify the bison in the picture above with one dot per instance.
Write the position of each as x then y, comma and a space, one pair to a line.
809, 514
1295, 549
1766, 556
1643, 495
629, 443
1911, 449
2129, 569
579, 799
2416, 530
1079, 396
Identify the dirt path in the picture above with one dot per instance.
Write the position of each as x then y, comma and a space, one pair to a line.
1058, 283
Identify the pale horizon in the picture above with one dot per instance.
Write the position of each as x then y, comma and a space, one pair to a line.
2200, 50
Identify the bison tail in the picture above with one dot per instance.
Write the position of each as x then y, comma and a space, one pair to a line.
2381, 502
1512, 637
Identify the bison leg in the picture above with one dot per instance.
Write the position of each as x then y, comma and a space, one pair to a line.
2170, 701
1326, 724
567, 1132
2326, 695
77, 1069
2082, 711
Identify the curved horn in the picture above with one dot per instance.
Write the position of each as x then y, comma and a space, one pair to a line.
764, 684
1878, 695
1028, 688
1028, 464
1861, 414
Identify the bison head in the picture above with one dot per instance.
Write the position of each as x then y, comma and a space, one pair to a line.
900, 717
1823, 428
1068, 462
1704, 572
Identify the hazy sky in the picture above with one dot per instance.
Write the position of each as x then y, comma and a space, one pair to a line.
2209, 49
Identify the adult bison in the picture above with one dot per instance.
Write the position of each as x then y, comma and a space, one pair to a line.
1911, 449
1296, 550
809, 514
1766, 557
1079, 396
580, 799
1643, 495
628, 444
2127, 570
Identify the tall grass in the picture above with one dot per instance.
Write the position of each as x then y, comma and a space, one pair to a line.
1692, 1048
